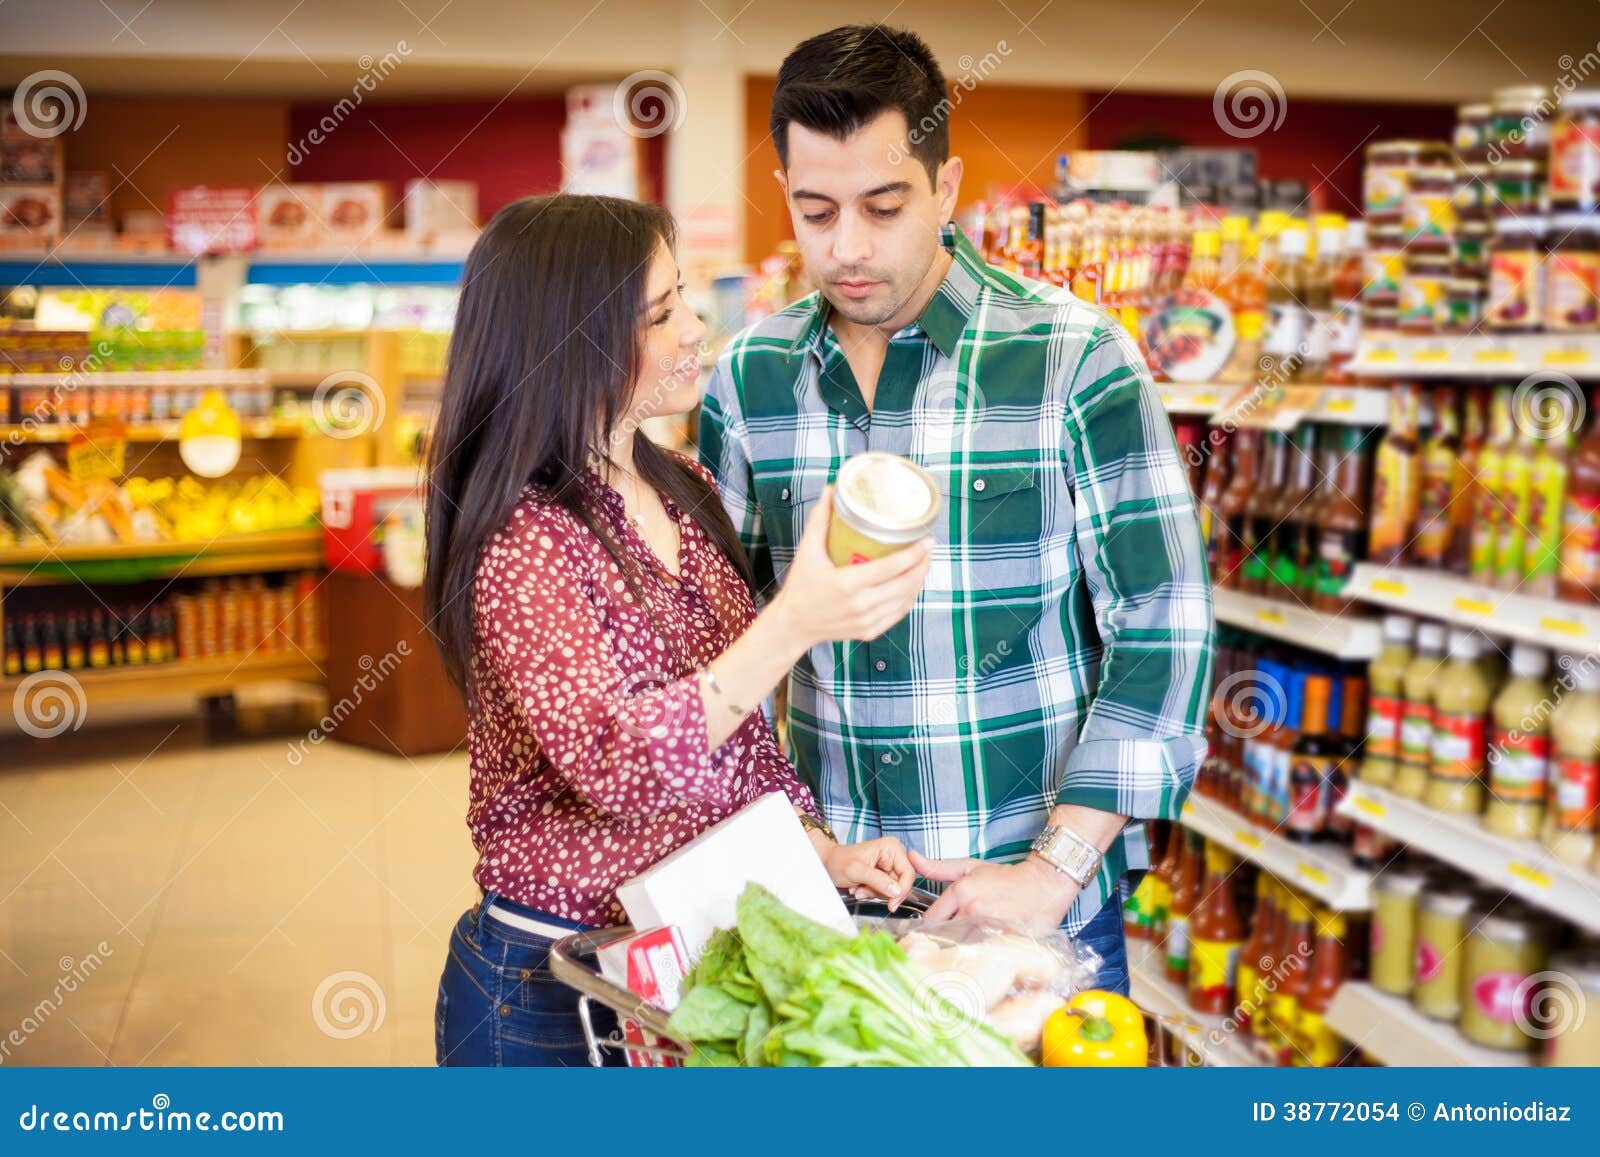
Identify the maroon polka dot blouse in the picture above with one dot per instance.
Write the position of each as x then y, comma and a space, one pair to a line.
589, 754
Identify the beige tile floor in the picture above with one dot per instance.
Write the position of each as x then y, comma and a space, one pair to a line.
185, 904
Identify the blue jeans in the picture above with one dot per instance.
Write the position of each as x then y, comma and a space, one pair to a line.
1104, 934
499, 1004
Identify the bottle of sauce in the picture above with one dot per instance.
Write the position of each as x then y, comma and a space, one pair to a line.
1341, 521
1519, 753
1280, 740
1569, 830
1211, 492
1580, 524
1516, 495
1464, 497
1260, 517
1416, 715
1312, 760
1316, 281
1548, 486
1393, 936
1386, 703
1244, 289
1441, 932
1298, 944
1397, 481
1216, 937
1317, 1044
1345, 327
1441, 465
1293, 510
1228, 527
1253, 959
1268, 964
1491, 473
1166, 873
1205, 267
1349, 705
1185, 895
1283, 348
1460, 750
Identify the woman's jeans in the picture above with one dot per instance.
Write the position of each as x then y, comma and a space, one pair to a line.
499, 1004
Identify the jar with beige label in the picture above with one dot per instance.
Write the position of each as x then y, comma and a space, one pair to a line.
1503, 964
881, 503
1441, 929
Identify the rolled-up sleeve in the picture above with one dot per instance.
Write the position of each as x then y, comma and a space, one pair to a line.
629, 744
1144, 563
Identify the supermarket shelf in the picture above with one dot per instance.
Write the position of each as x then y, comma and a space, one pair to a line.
354, 269
187, 677
258, 428
1563, 627
1322, 404
1390, 1030
95, 270
1479, 356
71, 379
1216, 1044
1322, 871
1185, 399
1522, 867
1344, 636
275, 550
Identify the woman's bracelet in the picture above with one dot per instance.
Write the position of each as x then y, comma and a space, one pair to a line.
711, 681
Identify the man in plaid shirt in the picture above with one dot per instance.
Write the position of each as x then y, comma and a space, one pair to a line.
1050, 684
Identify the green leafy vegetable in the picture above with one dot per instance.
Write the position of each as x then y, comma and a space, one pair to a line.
784, 990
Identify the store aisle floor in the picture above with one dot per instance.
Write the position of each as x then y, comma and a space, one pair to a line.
228, 906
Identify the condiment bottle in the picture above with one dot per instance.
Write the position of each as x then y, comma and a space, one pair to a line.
1460, 749
1166, 874
1341, 522
1314, 755
1216, 936
1349, 707
1298, 944
1261, 517
1397, 481
1519, 752
1441, 465
1575, 1040
1569, 829
1516, 494
1416, 719
1580, 525
1185, 895
1507, 946
1269, 963
1465, 499
1493, 511
1253, 957
1548, 493
1227, 541
1393, 935
1316, 1043
1316, 280
1288, 552
1211, 491
1441, 930
1284, 344
1386, 701
1280, 740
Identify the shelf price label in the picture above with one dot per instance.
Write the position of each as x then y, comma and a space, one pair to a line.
1432, 355
1249, 840
1564, 627
1530, 875
1471, 606
1497, 353
1386, 586
1270, 616
1371, 806
1568, 356
1313, 873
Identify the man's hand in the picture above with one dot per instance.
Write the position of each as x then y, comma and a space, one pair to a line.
1029, 892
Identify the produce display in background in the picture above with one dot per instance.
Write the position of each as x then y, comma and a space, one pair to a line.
42, 504
780, 989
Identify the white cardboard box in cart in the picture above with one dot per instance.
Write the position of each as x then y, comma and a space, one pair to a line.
697, 887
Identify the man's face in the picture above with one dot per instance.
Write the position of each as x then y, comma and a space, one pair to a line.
866, 217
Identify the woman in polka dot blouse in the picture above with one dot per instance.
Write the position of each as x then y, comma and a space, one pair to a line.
592, 602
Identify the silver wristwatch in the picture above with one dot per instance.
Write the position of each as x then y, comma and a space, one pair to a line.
1069, 853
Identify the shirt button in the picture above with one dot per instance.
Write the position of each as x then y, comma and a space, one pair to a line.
886, 757
882, 664
979, 485
785, 494
505, 1010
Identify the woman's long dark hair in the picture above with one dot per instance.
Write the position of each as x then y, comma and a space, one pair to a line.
543, 357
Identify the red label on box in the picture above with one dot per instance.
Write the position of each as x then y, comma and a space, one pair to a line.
212, 219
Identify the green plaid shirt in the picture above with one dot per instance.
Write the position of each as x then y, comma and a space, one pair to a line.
1060, 651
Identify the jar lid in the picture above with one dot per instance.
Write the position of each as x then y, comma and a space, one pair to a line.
1476, 172
1459, 285
1535, 226
1450, 896
1585, 98
886, 495
1519, 96
1517, 169
1565, 223
1510, 921
1403, 878
1469, 112
1418, 148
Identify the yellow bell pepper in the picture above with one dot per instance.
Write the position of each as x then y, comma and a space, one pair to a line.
1096, 1029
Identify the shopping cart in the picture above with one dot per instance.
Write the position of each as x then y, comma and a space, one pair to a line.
574, 960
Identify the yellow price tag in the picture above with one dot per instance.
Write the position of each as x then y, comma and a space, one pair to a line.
1371, 806
1205, 399
1249, 840
1564, 626
1380, 354
1567, 357
1389, 587
1530, 875
1315, 874
1267, 615
1433, 354
1495, 354
1340, 405
1473, 606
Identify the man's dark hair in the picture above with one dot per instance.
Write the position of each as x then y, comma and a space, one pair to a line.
836, 82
